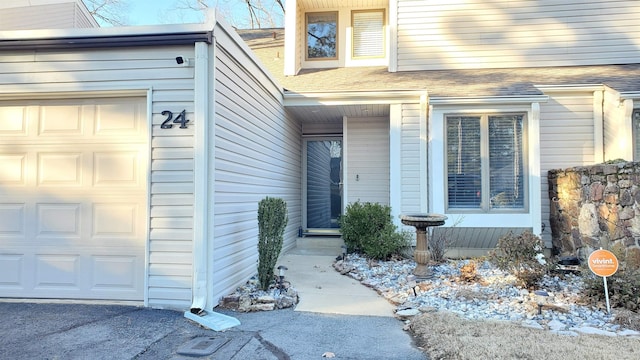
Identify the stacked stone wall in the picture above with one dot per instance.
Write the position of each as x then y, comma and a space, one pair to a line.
595, 206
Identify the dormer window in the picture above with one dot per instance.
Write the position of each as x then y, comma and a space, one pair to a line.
322, 40
368, 33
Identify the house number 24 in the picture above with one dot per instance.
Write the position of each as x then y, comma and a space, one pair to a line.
169, 121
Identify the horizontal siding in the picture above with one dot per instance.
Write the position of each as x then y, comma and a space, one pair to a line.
171, 193
410, 157
566, 140
516, 33
367, 152
257, 154
48, 16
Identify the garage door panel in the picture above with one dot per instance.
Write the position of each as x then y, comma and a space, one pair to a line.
11, 271
62, 120
57, 272
12, 220
113, 221
112, 272
13, 167
73, 199
13, 121
58, 221
120, 119
117, 168
60, 169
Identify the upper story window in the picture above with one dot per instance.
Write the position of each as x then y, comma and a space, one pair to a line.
368, 33
485, 162
322, 41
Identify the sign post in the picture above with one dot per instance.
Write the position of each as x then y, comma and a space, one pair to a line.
603, 263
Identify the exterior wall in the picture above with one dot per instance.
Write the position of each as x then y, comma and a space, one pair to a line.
61, 15
566, 139
256, 153
55, 74
618, 142
516, 33
367, 151
410, 158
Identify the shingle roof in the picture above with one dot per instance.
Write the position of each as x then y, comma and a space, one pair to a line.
269, 47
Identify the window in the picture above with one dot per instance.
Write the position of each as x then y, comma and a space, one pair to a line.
636, 134
321, 35
368, 33
485, 162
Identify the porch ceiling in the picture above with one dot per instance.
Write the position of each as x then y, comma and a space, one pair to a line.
326, 114
325, 4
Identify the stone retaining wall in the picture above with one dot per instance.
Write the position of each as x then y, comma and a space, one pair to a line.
595, 206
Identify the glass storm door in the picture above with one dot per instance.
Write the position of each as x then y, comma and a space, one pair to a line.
323, 179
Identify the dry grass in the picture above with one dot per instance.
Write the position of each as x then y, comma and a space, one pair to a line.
446, 336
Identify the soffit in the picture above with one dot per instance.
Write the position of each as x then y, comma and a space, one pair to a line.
326, 4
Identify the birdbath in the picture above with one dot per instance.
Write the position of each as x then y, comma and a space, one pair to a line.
421, 254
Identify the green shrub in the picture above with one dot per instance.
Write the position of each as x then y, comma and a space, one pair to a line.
623, 286
368, 228
386, 243
521, 256
272, 221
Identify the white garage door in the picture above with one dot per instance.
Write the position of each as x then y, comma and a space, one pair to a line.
73, 198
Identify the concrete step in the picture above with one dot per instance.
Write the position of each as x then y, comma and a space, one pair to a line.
318, 245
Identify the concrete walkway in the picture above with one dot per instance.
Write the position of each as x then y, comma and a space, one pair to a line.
323, 290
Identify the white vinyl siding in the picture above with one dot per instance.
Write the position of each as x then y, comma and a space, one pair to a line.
368, 33
66, 15
566, 140
257, 153
367, 152
516, 33
171, 193
410, 168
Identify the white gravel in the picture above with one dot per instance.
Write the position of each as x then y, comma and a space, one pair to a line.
494, 296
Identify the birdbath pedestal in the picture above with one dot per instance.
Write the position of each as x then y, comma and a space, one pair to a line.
421, 254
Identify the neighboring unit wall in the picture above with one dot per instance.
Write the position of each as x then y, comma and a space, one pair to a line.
62, 15
171, 233
516, 33
367, 151
566, 139
257, 149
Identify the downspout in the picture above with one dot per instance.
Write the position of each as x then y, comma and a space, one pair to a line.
202, 305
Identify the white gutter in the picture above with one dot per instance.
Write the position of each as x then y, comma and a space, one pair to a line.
350, 97
489, 100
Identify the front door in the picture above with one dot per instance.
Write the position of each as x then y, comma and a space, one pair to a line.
323, 184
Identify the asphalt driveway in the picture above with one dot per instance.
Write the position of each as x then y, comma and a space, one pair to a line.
80, 331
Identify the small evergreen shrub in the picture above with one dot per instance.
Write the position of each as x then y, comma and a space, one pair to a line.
363, 221
272, 221
521, 255
623, 286
368, 228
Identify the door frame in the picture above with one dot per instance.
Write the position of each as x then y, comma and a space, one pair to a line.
305, 140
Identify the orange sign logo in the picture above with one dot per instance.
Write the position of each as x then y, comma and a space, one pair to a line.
603, 263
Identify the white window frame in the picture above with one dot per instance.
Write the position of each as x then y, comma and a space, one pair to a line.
485, 203
383, 36
306, 35
436, 162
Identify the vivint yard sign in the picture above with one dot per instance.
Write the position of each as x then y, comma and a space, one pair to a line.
603, 263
